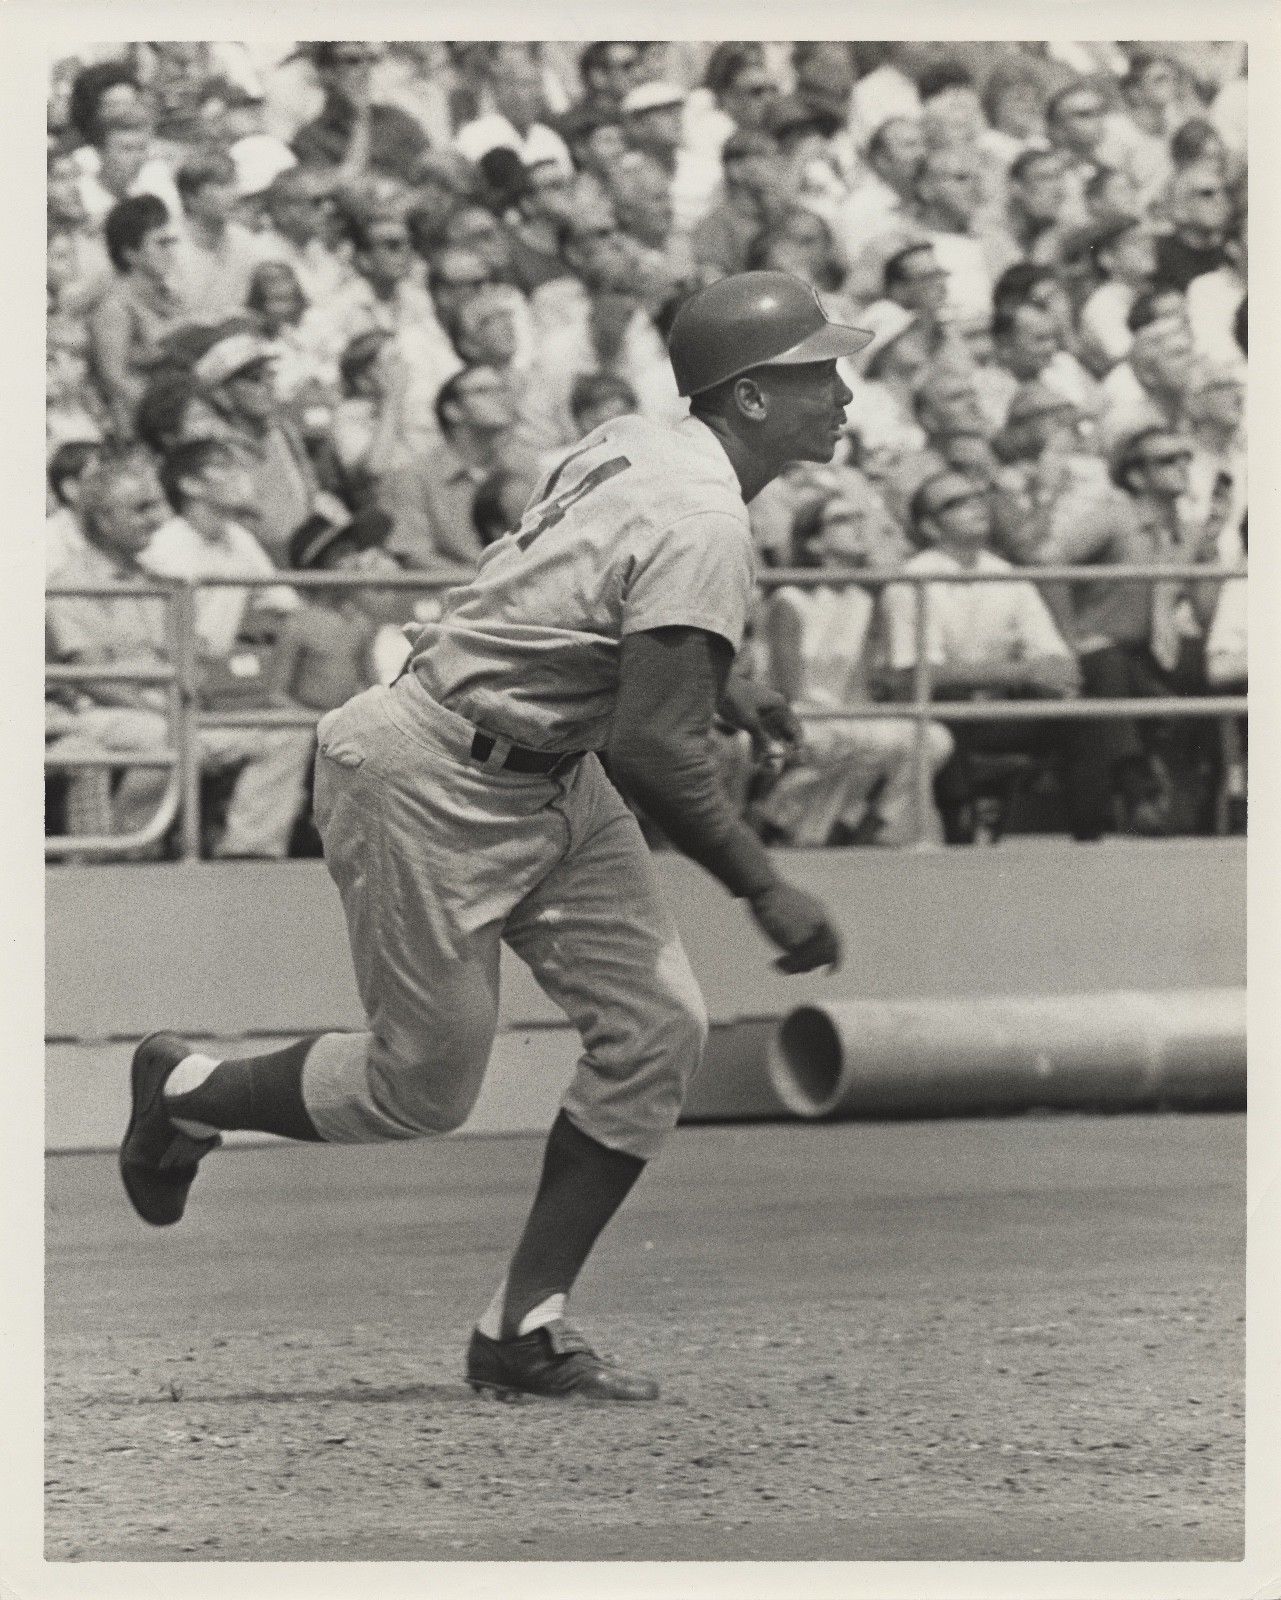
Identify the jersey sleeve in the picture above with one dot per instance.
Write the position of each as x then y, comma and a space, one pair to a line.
697, 573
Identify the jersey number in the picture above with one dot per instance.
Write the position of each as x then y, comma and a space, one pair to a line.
551, 511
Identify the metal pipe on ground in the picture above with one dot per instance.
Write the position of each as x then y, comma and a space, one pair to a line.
1111, 1051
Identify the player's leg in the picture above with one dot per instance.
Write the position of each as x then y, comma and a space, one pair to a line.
429, 988
603, 945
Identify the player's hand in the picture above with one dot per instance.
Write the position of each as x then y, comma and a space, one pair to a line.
762, 712
798, 924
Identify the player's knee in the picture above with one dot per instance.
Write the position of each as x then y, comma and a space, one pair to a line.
429, 1088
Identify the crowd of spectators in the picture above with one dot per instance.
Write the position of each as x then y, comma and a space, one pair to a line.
343, 305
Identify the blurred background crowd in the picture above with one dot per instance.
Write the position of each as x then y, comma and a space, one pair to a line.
341, 306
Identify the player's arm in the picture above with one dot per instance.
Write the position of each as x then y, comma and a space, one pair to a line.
671, 682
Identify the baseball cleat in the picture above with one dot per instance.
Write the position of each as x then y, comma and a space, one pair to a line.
554, 1361
157, 1160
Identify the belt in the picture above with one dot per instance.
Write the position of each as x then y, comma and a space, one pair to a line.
508, 757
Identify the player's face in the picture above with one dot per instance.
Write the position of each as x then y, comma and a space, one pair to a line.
806, 411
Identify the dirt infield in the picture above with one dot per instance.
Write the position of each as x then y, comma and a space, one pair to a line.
1016, 1339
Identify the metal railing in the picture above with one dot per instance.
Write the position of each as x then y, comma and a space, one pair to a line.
181, 799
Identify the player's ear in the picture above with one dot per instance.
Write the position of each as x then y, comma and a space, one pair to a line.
750, 399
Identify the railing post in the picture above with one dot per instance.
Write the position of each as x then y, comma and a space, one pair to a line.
922, 779
188, 731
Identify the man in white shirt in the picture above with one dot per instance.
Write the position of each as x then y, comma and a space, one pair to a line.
216, 255
987, 641
213, 499
522, 124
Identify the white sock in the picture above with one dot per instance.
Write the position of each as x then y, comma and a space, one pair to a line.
189, 1074
491, 1323
549, 1310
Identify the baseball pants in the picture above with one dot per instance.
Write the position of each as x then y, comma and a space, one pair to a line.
439, 860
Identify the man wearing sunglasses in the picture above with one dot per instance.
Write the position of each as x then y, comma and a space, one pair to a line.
1135, 638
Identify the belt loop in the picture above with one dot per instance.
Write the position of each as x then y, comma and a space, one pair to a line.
497, 757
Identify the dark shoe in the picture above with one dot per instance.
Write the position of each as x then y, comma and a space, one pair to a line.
555, 1361
157, 1160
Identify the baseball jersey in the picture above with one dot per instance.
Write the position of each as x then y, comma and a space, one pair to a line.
641, 526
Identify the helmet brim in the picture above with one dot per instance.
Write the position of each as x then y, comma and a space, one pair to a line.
833, 339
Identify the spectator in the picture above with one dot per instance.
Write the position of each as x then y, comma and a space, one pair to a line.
885, 197
916, 283
807, 153
209, 536
595, 323
473, 227
296, 202
800, 242
1036, 205
1200, 207
599, 397
122, 506
607, 69
1013, 101
641, 194
1216, 419
1226, 664
542, 199
949, 196
1135, 638
1048, 473
751, 197
513, 77
385, 294
1026, 345
64, 534
353, 135
1215, 299
143, 306
430, 498
216, 255
853, 779
236, 380
173, 409
1151, 385
306, 382
593, 134
1110, 192
1077, 125
986, 641
653, 123
325, 649
121, 164
1124, 252
742, 91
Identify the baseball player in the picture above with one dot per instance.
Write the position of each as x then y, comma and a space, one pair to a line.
465, 806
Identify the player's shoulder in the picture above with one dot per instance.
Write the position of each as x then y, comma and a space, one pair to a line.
680, 464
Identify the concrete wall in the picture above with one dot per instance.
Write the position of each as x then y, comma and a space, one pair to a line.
238, 950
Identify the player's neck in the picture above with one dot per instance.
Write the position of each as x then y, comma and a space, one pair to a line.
750, 468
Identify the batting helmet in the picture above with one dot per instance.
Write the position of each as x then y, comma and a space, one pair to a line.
753, 319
